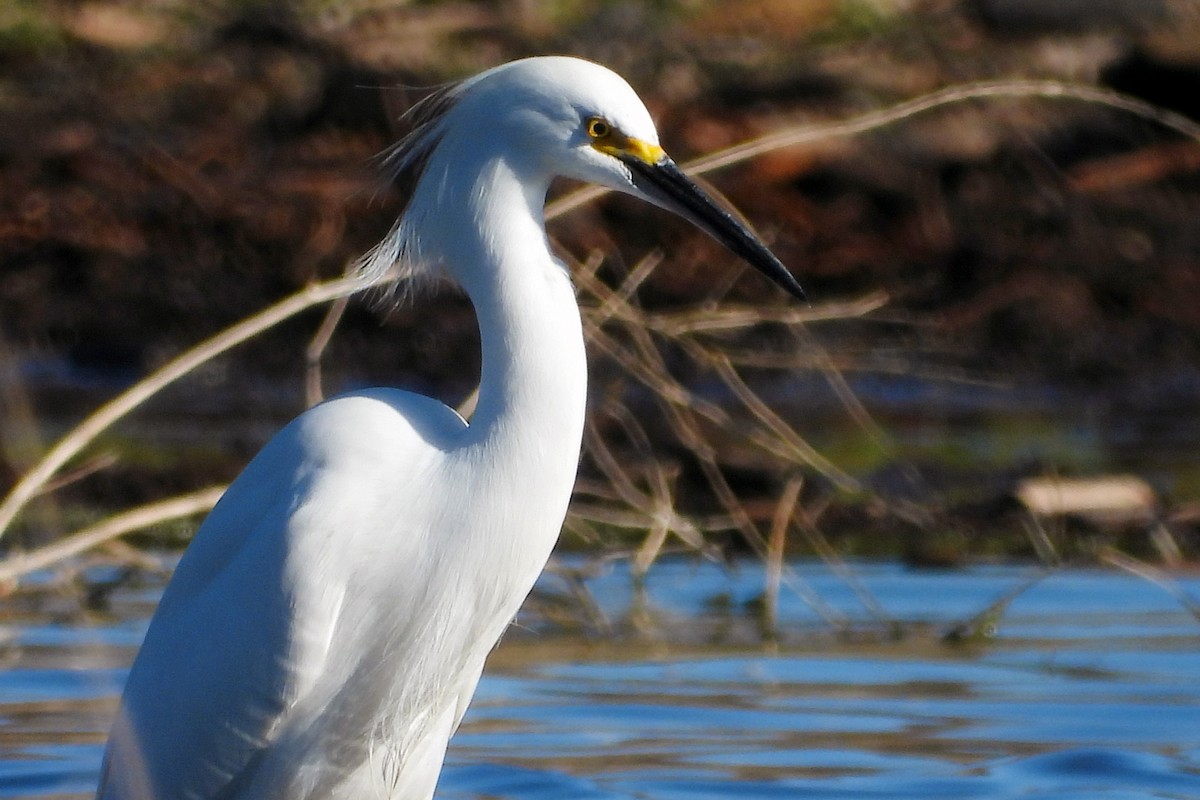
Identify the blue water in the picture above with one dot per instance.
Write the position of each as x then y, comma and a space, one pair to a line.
1089, 688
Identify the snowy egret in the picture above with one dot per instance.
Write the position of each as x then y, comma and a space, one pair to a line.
325, 630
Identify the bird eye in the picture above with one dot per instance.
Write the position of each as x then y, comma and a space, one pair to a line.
598, 128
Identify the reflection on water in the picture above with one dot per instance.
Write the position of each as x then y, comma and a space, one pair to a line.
1090, 689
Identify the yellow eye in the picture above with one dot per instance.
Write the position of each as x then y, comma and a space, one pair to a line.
598, 128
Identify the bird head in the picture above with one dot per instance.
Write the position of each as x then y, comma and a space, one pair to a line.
580, 120
560, 116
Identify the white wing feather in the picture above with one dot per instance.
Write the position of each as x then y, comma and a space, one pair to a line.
204, 715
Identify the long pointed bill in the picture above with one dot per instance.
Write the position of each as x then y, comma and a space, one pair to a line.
664, 184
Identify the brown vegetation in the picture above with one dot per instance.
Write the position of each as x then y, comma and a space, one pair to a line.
169, 170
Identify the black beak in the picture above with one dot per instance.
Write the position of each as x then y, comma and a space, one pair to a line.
664, 184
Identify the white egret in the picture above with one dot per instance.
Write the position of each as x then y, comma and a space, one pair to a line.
327, 626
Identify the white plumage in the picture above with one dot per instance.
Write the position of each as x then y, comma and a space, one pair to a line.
325, 630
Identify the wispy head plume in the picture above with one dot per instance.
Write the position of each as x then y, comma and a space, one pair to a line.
396, 263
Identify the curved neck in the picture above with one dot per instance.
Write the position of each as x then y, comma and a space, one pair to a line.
533, 381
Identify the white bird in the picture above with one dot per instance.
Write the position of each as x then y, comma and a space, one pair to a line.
327, 626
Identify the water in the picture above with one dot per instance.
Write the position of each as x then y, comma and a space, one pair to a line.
1089, 688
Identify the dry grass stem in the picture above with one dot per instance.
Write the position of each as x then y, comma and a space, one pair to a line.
1150, 573
731, 318
784, 510
880, 118
83, 434
951, 95
93, 465
313, 392
775, 426
807, 523
16, 566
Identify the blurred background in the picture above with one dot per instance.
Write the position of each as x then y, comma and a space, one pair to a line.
1006, 290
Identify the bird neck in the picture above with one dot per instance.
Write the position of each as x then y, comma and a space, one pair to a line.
534, 374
